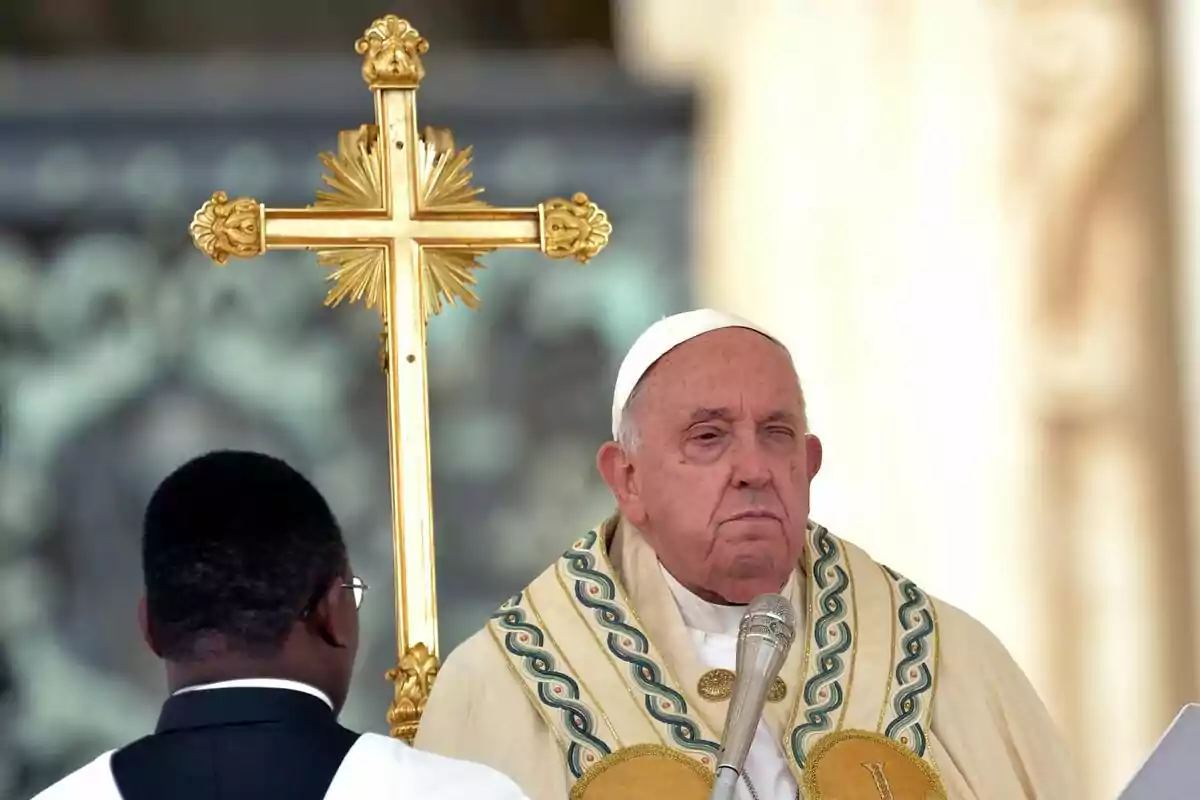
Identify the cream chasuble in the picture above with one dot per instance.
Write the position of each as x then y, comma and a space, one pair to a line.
586, 685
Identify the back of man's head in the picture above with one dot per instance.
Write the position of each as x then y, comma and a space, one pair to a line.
237, 548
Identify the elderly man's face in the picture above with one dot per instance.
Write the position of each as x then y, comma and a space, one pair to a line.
719, 479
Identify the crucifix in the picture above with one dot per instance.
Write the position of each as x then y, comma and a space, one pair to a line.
402, 228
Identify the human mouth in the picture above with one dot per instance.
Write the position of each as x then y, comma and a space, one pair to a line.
755, 514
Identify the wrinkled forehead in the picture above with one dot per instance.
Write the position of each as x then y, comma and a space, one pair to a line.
727, 368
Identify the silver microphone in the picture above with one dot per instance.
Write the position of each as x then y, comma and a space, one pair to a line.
764, 638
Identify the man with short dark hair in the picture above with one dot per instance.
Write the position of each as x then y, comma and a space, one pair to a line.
251, 604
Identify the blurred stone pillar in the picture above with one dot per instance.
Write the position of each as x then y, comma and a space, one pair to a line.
1109, 502
955, 214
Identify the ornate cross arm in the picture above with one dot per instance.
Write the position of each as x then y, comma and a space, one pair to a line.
453, 234
355, 246
403, 229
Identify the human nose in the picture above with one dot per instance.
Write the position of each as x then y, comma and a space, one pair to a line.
750, 467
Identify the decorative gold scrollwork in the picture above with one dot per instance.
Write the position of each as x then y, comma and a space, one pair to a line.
413, 679
391, 49
223, 228
575, 228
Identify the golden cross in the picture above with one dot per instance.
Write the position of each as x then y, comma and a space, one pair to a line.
403, 228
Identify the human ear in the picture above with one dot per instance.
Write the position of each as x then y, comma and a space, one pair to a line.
333, 615
618, 472
144, 624
814, 452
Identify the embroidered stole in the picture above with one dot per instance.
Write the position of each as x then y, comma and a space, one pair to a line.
868, 661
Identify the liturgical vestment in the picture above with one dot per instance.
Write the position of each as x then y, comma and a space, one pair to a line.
271, 740
603, 679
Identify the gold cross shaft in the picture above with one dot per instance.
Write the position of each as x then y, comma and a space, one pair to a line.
403, 228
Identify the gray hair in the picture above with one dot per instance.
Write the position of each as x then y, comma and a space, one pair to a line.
628, 435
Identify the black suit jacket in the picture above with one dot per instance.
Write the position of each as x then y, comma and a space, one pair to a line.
236, 744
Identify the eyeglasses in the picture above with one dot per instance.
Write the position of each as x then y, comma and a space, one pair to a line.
356, 585
359, 587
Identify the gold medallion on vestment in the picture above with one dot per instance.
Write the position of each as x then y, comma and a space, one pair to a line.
645, 772
860, 765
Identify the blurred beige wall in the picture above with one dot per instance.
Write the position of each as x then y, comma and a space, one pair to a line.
956, 214
1183, 60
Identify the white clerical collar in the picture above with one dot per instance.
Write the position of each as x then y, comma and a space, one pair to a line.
704, 616
260, 683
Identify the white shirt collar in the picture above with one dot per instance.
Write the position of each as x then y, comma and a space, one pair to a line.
260, 683
702, 615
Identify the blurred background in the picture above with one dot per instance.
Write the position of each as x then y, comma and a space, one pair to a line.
972, 221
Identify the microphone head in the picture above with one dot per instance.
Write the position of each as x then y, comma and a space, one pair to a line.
770, 617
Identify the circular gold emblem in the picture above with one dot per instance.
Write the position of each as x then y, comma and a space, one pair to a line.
645, 772
717, 684
853, 763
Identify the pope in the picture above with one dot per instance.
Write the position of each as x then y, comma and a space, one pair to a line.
609, 675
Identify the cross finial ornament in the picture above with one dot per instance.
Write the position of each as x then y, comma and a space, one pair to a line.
402, 228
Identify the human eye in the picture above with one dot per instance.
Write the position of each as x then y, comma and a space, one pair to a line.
781, 435
706, 434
